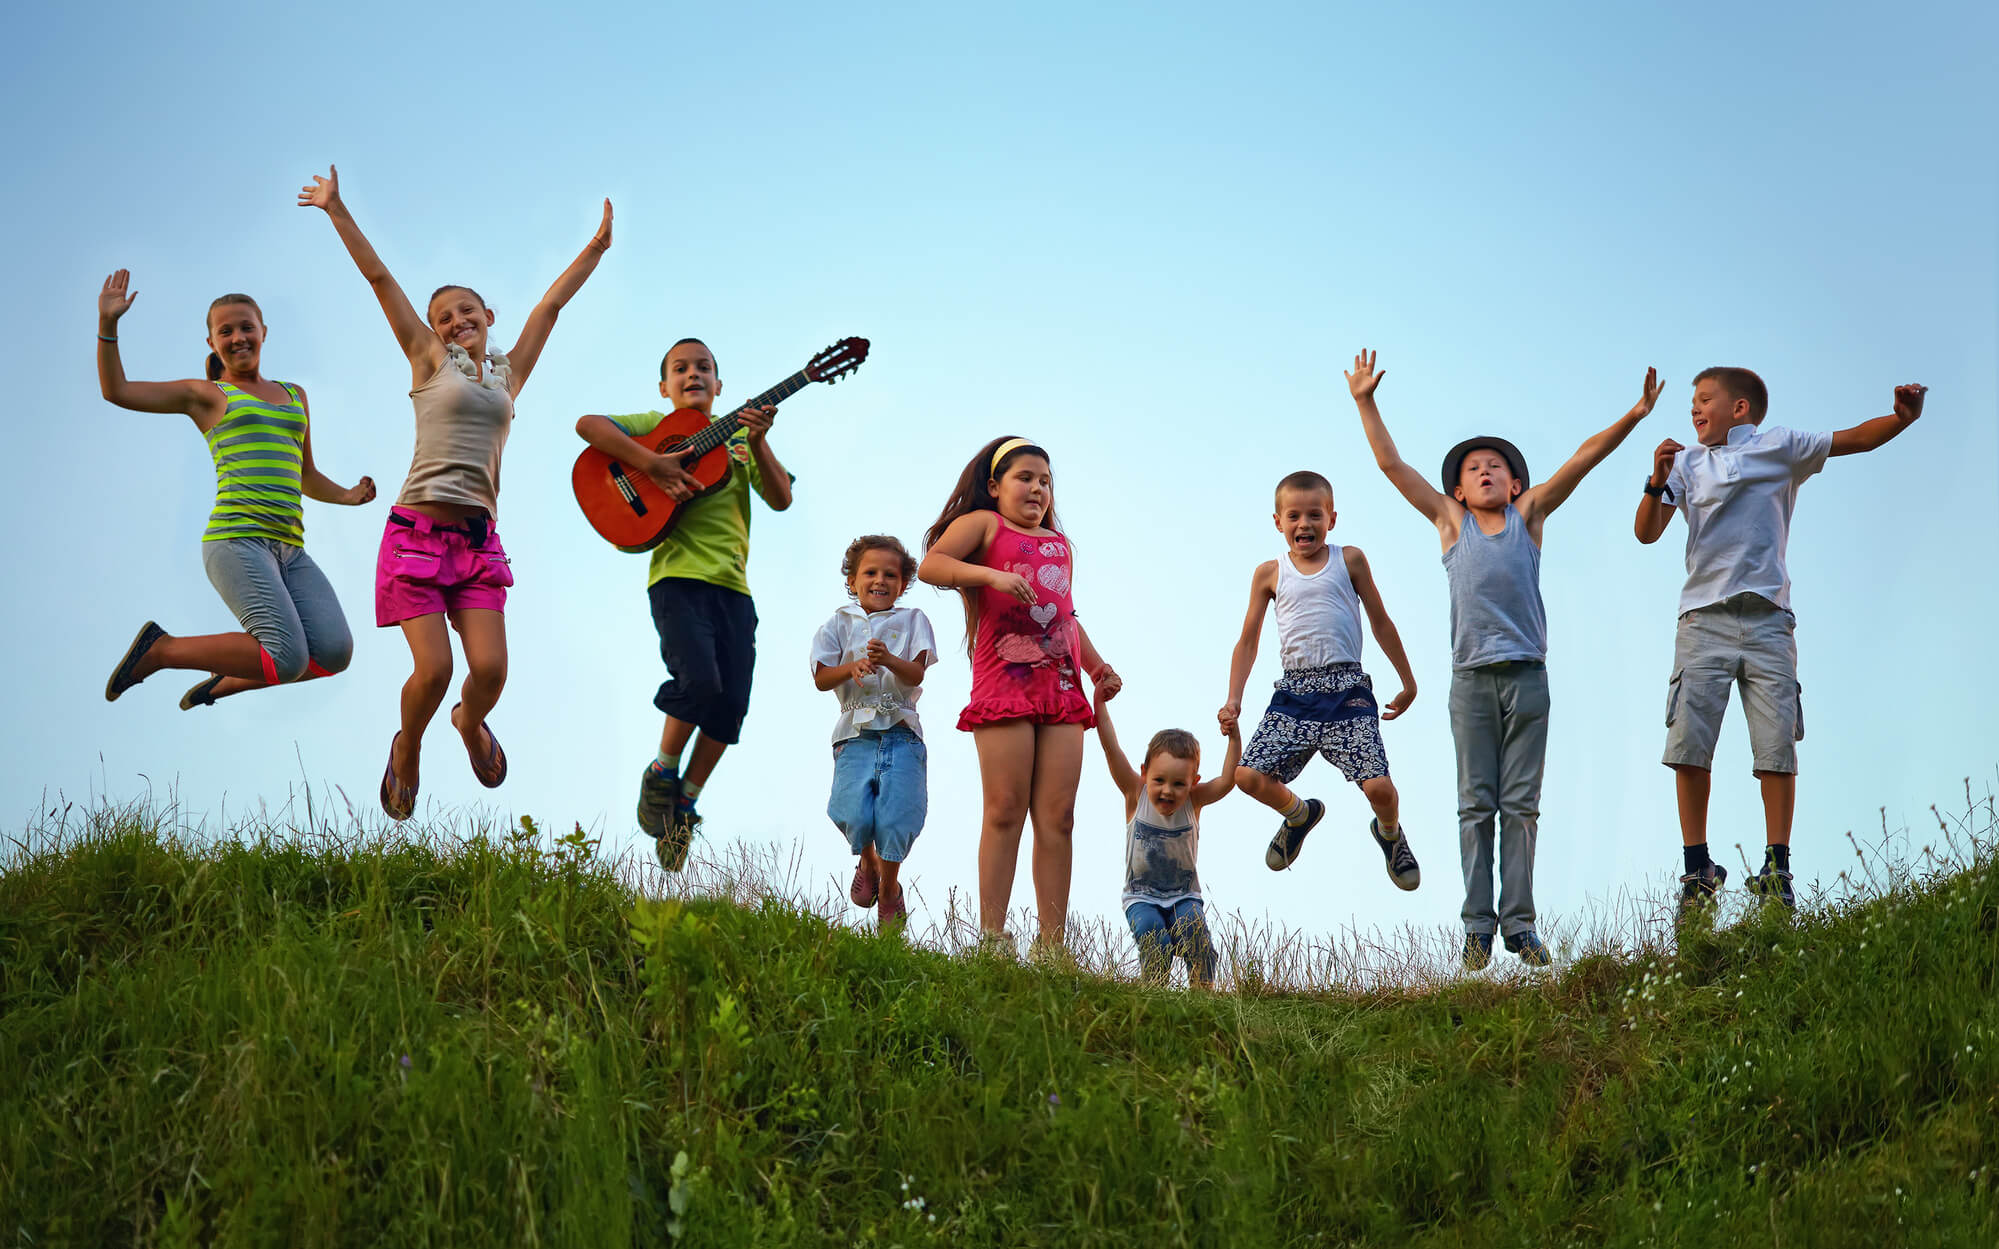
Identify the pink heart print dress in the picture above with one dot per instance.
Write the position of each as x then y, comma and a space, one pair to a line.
1026, 659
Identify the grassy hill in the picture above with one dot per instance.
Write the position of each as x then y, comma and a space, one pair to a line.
498, 1040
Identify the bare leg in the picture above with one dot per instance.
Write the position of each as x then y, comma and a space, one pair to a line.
1690, 786
483, 634
889, 872
1265, 788
1006, 775
1058, 766
1380, 794
707, 753
430, 649
231, 654
1780, 798
674, 736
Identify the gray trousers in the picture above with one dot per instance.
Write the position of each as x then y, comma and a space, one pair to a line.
1499, 719
281, 598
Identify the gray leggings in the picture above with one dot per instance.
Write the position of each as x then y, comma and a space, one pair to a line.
285, 602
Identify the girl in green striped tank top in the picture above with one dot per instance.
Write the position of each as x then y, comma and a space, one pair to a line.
259, 436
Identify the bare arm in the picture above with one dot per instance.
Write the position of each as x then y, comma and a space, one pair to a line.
190, 397
1868, 435
828, 676
1383, 629
907, 671
1653, 512
948, 563
1262, 585
1102, 675
318, 486
420, 345
666, 471
774, 483
1539, 501
1437, 507
534, 331
1122, 773
1215, 790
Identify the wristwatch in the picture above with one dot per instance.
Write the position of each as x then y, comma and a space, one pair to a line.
1654, 491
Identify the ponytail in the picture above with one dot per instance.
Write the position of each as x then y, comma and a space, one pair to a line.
214, 367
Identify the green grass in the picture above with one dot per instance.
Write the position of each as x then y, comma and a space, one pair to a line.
286, 1038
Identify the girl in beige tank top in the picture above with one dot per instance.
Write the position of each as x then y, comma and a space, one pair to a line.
440, 557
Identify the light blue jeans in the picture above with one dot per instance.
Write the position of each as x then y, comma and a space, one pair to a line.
1162, 932
881, 790
282, 599
1499, 721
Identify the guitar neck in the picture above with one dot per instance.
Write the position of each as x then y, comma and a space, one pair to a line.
719, 430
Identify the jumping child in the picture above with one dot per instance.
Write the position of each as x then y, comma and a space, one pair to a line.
440, 556
1324, 702
998, 544
1737, 488
874, 653
259, 434
698, 586
1490, 521
1162, 839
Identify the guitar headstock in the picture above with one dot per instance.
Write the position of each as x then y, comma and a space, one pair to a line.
837, 361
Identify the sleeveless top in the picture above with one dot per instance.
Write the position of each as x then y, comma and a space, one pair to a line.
1496, 611
1024, 657
1159, 854
461, 426
1318, 616
259, 452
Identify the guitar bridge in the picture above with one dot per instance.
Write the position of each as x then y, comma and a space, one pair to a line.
625, 488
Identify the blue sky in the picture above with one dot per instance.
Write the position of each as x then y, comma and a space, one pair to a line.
1150, 237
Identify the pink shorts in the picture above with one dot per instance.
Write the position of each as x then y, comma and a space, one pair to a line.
424, 568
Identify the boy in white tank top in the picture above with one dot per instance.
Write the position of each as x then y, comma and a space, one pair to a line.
1324, 702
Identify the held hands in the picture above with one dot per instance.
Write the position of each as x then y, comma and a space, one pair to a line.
1662, 461
1908, 399
1643, 408
667, 473
113, 300
363, 492
1229, 716
602, 239
1362, 381
757, 421
1400, 703
1108, 682
324, 193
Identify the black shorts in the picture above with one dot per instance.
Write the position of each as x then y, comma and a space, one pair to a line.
708, 638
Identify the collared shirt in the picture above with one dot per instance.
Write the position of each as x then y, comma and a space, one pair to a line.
1737, 500
881, 699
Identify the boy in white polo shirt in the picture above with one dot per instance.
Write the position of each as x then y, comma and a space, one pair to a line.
1737, 488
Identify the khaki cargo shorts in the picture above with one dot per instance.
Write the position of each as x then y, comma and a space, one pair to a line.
1748, 640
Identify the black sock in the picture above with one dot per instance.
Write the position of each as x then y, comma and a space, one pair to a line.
1777, 857
1696, 857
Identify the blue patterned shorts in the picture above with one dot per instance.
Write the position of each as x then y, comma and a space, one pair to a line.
1328, 711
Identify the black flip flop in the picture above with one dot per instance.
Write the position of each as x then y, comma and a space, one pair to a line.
202, 694
121, 676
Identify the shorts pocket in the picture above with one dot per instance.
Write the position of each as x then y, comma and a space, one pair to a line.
1673, 697
406, 564
495, 570
1798, 734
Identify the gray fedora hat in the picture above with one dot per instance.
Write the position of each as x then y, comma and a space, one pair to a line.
1455, 460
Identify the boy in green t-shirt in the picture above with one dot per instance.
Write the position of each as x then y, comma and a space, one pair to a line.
700, 596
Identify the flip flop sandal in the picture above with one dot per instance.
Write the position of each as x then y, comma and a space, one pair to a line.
492, 770
121, 676
398, 800
202, 695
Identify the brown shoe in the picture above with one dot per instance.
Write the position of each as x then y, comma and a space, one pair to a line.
491, 769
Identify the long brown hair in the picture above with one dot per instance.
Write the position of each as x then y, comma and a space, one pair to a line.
971, 495
215, 361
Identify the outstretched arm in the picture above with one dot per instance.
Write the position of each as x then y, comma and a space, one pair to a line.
1385, 635
1217, 789
318, 486
1123, 775
534, 331
188, 397
423, 348
1538, 501
1438, 508
1868, 435
1243, 658
1653, 511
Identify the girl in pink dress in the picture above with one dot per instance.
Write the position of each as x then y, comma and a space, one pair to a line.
997, 543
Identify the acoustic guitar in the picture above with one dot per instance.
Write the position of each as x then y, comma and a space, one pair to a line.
631, 512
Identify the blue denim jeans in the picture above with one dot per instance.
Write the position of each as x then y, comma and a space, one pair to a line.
1164, 932
881, 790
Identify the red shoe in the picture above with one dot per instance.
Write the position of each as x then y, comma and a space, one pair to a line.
867, 885
894, 913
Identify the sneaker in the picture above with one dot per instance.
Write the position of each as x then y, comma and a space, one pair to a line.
659, 796
202, 694
1478, 950
1698, 889
1527, 944
679, 835
1400, 859
866, 887
1290, 838
1772, 883
121, 676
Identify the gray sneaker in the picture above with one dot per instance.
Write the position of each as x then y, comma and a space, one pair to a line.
1399, 858
1290, 838
659, 795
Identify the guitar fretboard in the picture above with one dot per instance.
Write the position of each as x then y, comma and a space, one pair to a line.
719, 430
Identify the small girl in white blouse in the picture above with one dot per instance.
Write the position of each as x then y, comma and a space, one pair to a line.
874, 654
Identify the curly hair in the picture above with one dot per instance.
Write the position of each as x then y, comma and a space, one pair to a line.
851, 561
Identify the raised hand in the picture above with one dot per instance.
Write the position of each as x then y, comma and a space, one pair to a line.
1662, 461
113, 300
602, 239
757, 421
1643, 408
1398, 704
1908, 399
1362, 381
324, 193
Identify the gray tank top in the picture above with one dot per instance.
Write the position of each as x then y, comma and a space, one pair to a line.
461, 426
1496, 611
1159, 854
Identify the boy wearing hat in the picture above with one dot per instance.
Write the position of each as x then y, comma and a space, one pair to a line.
1489, 519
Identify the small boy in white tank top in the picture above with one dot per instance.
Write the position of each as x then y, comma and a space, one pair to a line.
1324, 702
